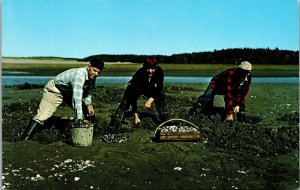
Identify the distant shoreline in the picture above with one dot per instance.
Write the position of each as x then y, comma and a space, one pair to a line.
51, 61
53, 66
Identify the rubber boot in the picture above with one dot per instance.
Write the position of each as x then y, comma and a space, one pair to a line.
161, 108
30, 130
203, 104
117, 118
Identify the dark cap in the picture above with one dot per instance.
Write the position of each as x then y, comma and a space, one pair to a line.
150, 62
98, 63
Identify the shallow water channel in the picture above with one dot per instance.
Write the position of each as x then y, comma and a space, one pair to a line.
15, 80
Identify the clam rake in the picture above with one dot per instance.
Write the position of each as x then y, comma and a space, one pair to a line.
182, 132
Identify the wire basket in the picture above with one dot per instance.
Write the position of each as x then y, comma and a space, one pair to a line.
181, 130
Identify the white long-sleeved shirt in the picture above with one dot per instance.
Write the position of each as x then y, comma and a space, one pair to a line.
75, 83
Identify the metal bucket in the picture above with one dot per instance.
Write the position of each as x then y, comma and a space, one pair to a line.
82, 136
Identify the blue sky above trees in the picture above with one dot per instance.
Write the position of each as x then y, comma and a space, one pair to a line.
80, 28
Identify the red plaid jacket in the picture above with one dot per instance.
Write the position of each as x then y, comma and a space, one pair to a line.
234, 92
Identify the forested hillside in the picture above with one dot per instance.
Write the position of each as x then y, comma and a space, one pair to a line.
256, 56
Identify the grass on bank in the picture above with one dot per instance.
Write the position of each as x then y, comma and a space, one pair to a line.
52, 68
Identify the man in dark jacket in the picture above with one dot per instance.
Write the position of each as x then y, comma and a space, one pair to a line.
233, 84
147, 81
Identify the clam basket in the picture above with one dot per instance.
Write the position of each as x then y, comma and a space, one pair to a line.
177, 130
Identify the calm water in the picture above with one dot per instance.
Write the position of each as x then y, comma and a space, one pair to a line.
15, 80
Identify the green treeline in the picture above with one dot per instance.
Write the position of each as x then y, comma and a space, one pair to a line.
224, 56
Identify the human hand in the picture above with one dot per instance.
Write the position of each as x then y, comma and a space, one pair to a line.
236, 109
90, 110
229, 117
148, 103
136, 119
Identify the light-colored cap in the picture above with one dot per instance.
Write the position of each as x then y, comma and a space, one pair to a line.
245, 65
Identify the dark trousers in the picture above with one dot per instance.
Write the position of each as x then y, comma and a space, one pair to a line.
130, 98
204, 103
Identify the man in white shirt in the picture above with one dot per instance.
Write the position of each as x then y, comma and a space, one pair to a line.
74, 87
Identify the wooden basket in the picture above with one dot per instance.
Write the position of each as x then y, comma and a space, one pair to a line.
161, 136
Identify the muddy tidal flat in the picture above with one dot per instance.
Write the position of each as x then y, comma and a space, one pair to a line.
260, 151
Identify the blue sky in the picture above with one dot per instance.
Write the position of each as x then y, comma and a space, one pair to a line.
80, 28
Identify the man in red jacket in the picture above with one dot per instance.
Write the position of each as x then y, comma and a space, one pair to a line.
147, 81
233, 84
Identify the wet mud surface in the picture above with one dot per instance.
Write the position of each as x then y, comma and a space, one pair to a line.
257, 144
244, 136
